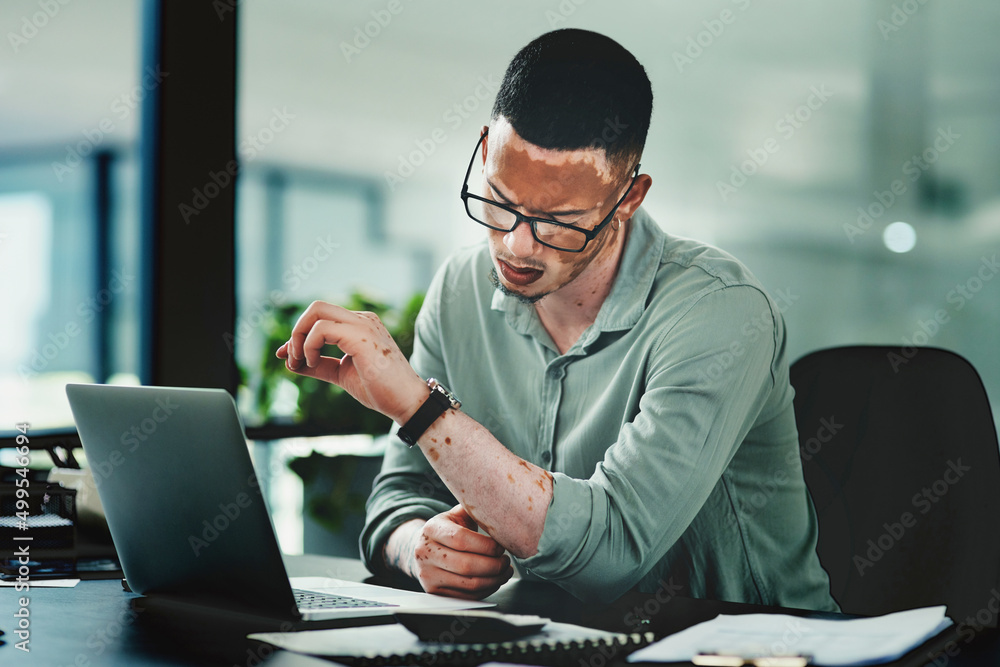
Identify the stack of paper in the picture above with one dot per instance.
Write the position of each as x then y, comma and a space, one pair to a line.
865, 641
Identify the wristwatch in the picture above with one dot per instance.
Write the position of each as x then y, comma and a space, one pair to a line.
440, 400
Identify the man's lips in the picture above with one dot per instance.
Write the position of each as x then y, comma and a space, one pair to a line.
518, 276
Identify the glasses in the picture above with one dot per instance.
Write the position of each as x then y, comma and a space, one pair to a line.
550, 233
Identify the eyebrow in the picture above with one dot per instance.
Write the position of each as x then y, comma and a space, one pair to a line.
553, 214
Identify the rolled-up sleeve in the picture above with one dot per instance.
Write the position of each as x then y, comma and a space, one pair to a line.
706, 380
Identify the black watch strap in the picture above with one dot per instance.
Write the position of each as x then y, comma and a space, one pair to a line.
436, 404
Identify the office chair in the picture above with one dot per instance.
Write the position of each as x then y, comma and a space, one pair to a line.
900, 456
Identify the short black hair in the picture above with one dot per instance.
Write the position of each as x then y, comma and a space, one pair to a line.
572, 89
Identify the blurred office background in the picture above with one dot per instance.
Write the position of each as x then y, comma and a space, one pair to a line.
848, 153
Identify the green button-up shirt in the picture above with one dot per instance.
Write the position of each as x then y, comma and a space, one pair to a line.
668, 427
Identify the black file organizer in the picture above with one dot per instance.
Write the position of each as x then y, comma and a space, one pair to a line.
50, 524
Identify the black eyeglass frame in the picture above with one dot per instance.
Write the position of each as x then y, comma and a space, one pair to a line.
590, 234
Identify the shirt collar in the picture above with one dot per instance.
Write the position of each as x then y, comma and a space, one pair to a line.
627, 299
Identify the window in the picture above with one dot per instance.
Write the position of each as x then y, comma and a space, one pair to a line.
68, 215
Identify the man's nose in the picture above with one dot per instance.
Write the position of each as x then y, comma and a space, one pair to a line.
519, 241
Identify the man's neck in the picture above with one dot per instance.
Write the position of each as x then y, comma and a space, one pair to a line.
569, 311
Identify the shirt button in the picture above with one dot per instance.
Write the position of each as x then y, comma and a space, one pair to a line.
546, 457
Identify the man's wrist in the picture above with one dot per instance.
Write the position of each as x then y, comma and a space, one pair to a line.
398, 552
416, 394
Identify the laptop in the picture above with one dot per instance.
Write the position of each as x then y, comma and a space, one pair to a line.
187, 516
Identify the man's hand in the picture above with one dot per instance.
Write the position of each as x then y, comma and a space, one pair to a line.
448, 557
373, 369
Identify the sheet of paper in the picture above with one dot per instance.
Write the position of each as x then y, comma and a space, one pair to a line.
44, 583
831, 643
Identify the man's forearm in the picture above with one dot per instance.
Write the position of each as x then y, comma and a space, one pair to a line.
507, 496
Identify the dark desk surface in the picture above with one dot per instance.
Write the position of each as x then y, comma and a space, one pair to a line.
97, 624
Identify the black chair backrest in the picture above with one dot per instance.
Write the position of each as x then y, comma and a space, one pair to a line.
899, 452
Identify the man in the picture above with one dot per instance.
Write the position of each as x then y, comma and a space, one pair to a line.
625, 397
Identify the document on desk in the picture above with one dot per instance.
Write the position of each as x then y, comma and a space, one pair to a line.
44, 583
864, 641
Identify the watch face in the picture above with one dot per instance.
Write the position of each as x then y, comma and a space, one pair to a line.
436, 386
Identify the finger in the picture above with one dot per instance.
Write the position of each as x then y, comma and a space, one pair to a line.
467, 564
317, 310
479, 593
435, 579
475, 565
459, 538
323, 333
459, 515
465, 517
282, 352
326, 369
464, 563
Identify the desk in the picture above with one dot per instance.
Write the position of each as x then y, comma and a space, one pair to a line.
98, 624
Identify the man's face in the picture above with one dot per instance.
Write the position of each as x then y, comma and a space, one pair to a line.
575, 187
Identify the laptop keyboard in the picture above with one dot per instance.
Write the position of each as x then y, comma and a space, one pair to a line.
314, 600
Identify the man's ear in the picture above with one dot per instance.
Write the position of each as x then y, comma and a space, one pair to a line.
482, 131
635, 196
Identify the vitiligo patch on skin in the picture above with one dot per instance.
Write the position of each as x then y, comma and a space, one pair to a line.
504, 131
